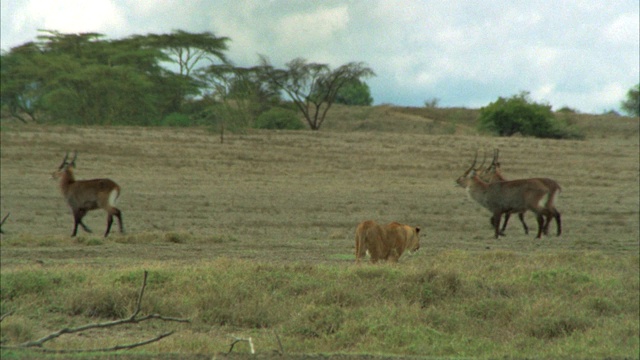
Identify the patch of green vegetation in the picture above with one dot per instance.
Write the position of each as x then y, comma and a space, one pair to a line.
520, 115
457, 305
279, 119
342, 257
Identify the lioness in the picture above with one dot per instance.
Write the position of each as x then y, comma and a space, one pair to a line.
386, 242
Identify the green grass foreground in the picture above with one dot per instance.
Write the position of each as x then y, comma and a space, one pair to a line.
450, 304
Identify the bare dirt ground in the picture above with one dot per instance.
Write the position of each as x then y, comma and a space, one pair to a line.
298, 196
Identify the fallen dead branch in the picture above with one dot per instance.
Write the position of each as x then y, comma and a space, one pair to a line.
237, 340
5, 315
280, 348
133, 319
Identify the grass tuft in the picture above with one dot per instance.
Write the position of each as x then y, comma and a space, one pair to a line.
17, 329
178, 237
549, 328
105, 302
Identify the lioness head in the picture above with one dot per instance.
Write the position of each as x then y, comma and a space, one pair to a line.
413, 240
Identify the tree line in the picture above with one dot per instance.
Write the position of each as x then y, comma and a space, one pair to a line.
179, 78
184, 79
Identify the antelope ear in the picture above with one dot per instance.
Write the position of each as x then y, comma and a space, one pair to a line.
417, 229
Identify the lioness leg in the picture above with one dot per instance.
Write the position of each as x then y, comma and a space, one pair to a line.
361, 249
393, 256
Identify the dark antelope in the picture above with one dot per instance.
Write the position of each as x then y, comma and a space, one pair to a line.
508, 196
85, 195
494, 173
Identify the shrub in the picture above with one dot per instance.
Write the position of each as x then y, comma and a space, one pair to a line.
176, 120
354, 92
631, 105
432, 103
102, 302
567, 110
278, 118
519, 115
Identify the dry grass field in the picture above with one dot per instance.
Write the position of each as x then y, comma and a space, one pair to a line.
280, 198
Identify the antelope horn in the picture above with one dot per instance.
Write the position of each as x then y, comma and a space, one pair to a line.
75, 155
484, 159
475, 160
495, 157
64, 162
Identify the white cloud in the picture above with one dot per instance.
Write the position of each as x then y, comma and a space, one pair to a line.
624, 30
21, 20
318, 26
543, 92
74, 15
594, 100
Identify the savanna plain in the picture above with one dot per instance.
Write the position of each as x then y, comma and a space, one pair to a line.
253, 237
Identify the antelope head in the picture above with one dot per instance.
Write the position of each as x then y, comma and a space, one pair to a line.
463, 181
65, 166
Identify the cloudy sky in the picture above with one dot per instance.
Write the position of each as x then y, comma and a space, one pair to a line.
578, 53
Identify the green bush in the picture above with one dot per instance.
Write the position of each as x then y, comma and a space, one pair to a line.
278, 118
354, 92
631, 105
519, 115
176, 120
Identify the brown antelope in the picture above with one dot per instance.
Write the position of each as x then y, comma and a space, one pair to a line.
85, 195
493, 173
508, 196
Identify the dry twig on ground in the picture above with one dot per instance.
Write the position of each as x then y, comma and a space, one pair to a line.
133, 319
237, 340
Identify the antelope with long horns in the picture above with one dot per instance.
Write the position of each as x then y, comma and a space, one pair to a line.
508, 196
85, 195
493, 173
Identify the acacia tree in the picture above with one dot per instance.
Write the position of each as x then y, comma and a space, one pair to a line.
312, 87
81, 78
84, 78
229, 94
22, 75
188, 51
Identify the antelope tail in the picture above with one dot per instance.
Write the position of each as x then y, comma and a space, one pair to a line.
113, 196
549, 200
